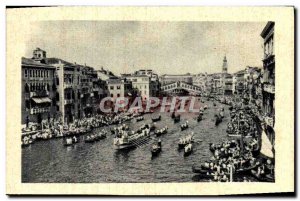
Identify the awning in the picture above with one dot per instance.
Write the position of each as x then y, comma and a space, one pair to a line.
266, 146
42, 100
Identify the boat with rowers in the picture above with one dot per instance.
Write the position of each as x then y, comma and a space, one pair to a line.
140, 118
188, 149
155, 119
185, 140
71, 141
126, 140
161, 131
184, 126
95, 137
218, 120
177, 119
156, 148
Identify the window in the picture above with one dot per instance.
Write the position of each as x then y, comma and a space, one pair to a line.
26, 88
27, 104
118, 95
42, 73
30, 73
118, 87
111, 87
111, 95
25, 72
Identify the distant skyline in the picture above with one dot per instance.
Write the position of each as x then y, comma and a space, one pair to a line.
165, 47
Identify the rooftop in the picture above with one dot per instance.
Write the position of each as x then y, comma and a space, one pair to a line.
33, 63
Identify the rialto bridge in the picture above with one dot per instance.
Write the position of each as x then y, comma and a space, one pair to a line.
181, 88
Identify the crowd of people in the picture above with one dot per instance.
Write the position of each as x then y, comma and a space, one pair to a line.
54, 128
241, 155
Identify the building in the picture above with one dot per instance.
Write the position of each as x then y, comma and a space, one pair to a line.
268, 80
79, 90
105, 74
167, 78
200, 80
238, 80
228, 82
60, 88
144, 82
68, 80
217, 83
141, 83
119, 87
252, 82
38, 88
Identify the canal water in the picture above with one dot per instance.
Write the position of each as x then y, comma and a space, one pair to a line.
51, 161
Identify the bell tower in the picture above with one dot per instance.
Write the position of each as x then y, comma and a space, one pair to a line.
224, 67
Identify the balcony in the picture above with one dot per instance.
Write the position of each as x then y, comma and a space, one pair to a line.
39, 110
38, 93
69, 101
269, 88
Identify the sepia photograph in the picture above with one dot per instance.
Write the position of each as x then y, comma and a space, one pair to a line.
177, 105
151, 102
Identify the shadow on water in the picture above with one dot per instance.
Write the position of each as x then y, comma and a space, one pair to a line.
122, 155
198, 178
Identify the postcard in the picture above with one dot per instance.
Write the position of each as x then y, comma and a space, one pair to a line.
150, 100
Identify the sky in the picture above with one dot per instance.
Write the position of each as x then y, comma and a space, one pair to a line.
166, 47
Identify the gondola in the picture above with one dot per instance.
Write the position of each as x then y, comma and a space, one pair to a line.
218, 120
188, 149
184, 126
184, 141
246, 169
200, 170
199, 118
177, 119
156, 119
70, 141
100, 136
90, 139
265, 178
161, 131
141, 118
156, 149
